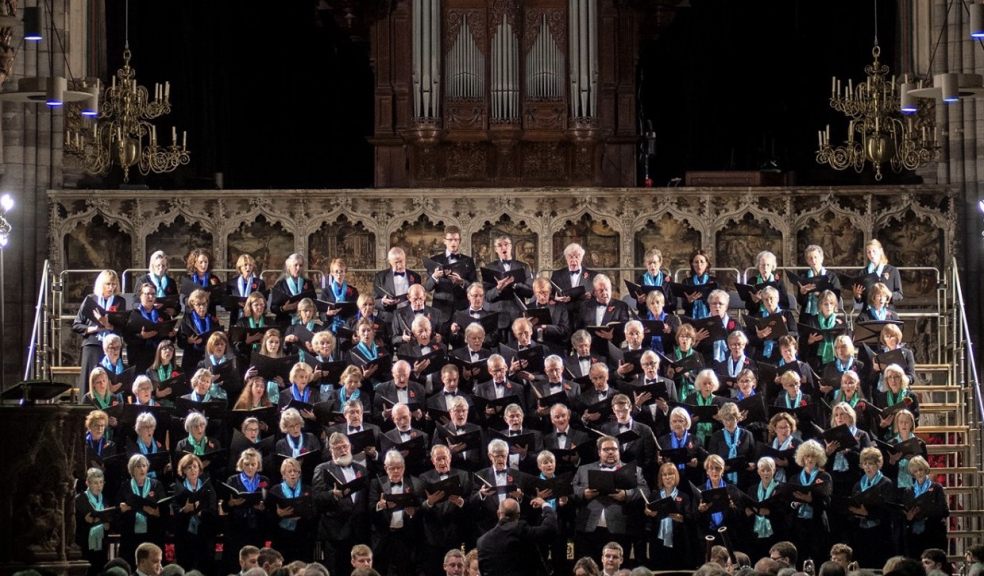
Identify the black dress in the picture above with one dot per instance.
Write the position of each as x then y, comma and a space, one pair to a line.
194, 353
245, 524
810, 529
130, 538
194, 532
872, 536
682, 553
293, 536
927, 529
92, 350
96, 557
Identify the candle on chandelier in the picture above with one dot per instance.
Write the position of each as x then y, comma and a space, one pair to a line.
153, 135
174, 135
820, 137
114, 82
184, 139
850, 132
167, 90
833, 86
826, 135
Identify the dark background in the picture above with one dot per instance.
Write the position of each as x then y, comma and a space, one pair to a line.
274, 95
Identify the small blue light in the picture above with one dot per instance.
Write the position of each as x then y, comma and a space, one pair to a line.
90, 113
909, 110
54, 103
977, 34
33, 38
951, 100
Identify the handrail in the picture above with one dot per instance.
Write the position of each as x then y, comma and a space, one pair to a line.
37, 333
968, 359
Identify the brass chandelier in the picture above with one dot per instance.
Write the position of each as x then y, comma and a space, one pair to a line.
877, 131
122, 133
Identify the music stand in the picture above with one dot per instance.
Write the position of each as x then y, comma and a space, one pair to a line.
29, 392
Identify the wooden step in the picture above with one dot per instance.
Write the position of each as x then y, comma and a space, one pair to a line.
954, 470
944, 448
974, 513
66, 370
961, 429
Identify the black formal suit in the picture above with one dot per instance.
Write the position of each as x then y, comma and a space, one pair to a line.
386, 396
620, 517
439, 401
505, 302
485, 509
572, 364
642, 452
591, 396
562, 279
650, 414
541, 388
468, 316
464, 353
395, 546
233, 288
555, 336
488, 391
528, 463
510, 547
615, 311
372, 464
403, 322
572, 439
390, 440
430, 380
279, 295
344, 520
470, 460
449, 296
383, 286
92, 350
444, 525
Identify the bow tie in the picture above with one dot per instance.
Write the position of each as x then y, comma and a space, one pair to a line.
624, 427
399, 273
354, 430
396, 485
601, 304
561, 434
607, 467
648, 382
446, 393
573, 272
421, 311
499, 384
515, 432
343, 468
500, 472
584, 358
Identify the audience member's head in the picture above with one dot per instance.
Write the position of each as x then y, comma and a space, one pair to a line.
148, 557
586, 567
361, 556
255, 571
719, 554
269, 559
935, 559
173, 570
768, 566
842, 554
831, 568
248, 557
364, 572
784, 551
902, 566
315, 569
711, 569
296, 567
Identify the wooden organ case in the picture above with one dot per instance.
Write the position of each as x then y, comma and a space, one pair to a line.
502, 93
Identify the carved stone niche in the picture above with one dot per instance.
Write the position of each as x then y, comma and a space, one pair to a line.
675, 238
37, 502
524, 242
600, 242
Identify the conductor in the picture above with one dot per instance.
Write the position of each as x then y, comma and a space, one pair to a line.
511, 547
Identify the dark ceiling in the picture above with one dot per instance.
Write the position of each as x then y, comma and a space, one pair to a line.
280, 97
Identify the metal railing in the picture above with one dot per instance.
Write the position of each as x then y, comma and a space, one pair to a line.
36, 366
964, 364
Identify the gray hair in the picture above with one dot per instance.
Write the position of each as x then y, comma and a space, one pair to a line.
194, 419
145, 420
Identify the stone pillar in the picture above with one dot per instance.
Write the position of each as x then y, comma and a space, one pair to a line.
37, 502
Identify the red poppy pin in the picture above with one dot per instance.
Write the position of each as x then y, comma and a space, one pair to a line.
211, 445
358, 474
611, 308
413, 394
567, 387
263, 485
818, 482
252, 286
508, 385
509, 478
584, 275
679, 499
112, 308
151, 494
